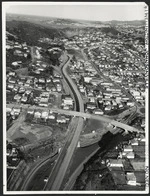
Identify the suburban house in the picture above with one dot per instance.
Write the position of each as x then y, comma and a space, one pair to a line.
131, 179
115, 163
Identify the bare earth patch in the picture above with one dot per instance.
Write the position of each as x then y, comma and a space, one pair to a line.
33, 132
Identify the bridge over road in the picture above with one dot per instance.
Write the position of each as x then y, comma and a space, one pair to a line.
97, 117
84, 115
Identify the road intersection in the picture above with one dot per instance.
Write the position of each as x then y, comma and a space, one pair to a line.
58, 173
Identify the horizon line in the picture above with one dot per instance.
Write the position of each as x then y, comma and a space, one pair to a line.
72, 18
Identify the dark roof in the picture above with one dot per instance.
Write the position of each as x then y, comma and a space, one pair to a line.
119, 177
141, 143
140, 176
13, 162
140, 154
138, 148
127, 165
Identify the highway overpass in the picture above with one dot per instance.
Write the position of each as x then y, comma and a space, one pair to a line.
83, 115
97, 117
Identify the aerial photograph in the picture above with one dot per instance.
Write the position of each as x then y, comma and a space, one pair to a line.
75, 97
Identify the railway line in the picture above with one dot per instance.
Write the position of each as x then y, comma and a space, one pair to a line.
35, 169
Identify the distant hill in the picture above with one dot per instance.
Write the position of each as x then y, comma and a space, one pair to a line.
31, 28
61, 22
30, 32
133, 22
109, 30
55, 22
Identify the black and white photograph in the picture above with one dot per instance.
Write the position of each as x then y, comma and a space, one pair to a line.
75, 97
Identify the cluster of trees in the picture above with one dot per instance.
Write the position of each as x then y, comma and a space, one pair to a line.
30, 32
54, 57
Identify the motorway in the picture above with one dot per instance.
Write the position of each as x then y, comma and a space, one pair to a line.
55, 184
58, 174
72, 127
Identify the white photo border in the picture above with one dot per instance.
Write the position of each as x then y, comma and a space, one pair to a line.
5, 5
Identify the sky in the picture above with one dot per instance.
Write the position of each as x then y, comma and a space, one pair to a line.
104, 12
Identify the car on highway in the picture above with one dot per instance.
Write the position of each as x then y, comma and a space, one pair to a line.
46, 179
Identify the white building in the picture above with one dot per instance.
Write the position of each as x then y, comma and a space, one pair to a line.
134, 142
128, 148
129, 103
44, 115
98, 112
37, 114
51, 116
108, 108
130, 155
24, 99
30, 111
131, 179
115, 163
87, 79
61, 119
68, 101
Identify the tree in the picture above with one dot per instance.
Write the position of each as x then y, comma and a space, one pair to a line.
29, 56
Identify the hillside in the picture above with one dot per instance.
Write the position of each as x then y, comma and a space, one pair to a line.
111, 30
132, 23
54, 22
30, 32
32, 28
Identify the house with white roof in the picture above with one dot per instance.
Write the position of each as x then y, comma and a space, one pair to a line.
37, 114
51, 115
61, 119
68, 101
98, 112
30, 111
128, 148
115, 163
24, 99
44, 115
131, 178
134, 142
8, 109
87, 79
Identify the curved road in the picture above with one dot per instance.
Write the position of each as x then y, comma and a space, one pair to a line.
56, 177
35, 169
59, 171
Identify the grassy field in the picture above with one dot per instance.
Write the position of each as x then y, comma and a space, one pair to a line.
91, 125
55, 100
77, 53
22, 72
32, 133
